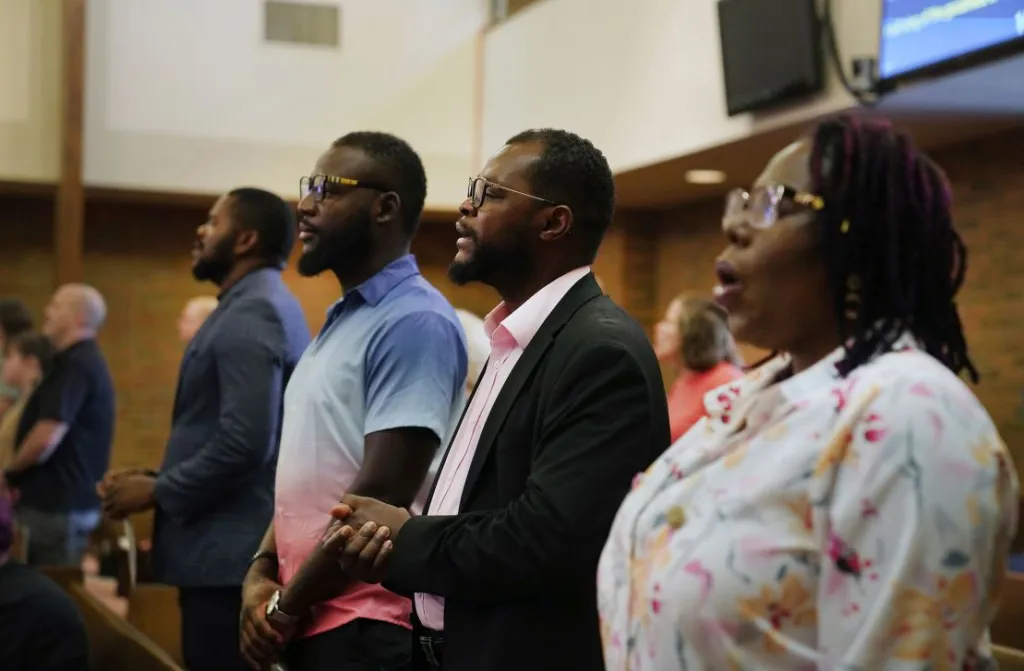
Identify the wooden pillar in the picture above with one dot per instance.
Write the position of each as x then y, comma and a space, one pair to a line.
69, 213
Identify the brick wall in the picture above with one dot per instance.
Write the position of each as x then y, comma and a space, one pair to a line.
26, 249
138, 256
988, 183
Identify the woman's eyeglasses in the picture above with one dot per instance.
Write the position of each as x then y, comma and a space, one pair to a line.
761, 207
319, 185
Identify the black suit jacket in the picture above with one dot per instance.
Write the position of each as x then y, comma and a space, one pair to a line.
582, 413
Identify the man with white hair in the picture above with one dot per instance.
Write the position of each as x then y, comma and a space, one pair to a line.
65, 433
193, 315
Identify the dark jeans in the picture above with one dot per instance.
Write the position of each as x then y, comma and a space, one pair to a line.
427, 647
360, 645
209, 628
57, 538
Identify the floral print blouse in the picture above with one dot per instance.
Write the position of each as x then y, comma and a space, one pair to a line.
816, 523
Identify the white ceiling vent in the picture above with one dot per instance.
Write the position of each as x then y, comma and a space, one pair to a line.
313, 24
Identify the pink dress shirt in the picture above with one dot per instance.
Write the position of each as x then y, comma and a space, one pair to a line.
509, 333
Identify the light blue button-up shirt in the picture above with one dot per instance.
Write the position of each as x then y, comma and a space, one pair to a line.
391, 355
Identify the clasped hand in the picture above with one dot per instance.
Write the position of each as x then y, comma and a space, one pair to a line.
359, 538
362, 536
126, 491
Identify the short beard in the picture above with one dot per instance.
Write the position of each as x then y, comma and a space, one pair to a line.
490, 266
215, 268
338, 248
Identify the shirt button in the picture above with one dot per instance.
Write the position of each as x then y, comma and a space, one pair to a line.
675, 517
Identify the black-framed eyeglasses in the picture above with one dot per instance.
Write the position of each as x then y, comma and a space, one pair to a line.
477, 192
319, 185
762, 206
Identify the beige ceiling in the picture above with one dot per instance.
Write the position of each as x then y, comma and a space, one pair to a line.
664, 185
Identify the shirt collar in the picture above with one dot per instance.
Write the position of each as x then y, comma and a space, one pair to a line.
523, 324
826, 372
822, 374
248, 282
373, 290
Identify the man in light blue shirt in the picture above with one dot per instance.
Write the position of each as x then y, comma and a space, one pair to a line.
370, 401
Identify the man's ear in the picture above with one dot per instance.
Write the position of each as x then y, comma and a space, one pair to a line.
246, 241
388, 207
558, 223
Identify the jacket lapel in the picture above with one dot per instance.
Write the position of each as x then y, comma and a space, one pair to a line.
582, 292
190, 349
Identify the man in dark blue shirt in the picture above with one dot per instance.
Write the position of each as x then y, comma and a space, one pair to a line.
65, 433
214, 493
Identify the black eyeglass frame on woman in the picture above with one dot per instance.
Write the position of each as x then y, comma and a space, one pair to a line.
762, 206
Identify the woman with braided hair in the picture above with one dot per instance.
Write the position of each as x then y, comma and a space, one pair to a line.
848, 504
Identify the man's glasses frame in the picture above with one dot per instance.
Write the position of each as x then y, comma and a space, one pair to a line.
477, 192
319, 185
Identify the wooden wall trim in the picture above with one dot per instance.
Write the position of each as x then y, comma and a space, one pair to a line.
69, 217
40, 190
170, 199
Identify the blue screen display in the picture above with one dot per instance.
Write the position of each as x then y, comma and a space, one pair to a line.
919, 33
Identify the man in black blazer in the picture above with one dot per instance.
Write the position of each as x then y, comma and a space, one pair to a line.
569, 409
214, 494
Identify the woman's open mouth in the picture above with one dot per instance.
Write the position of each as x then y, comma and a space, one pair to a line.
729, 285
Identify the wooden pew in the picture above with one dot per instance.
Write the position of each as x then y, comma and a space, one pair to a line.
1008, 658
65, 576
153, 610
115, 645
19, 546
1017, 546
1008, 628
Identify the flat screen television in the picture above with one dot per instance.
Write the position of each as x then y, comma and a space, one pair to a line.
771, 52
931, 37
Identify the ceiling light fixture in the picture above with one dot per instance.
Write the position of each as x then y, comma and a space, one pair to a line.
705, 176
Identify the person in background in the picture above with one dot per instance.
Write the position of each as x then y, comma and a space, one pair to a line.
42, 628
214, 493
849, 504
478, 346
570, 408
193, 315
14, 320
693, 338
65, 432
372, 399
27, 360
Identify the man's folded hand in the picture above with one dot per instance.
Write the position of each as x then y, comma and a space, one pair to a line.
364, 540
